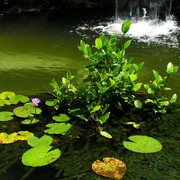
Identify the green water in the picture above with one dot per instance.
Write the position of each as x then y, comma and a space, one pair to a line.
35, 49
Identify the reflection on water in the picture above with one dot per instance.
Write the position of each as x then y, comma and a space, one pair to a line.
36, 49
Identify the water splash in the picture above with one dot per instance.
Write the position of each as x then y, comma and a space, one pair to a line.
147, 26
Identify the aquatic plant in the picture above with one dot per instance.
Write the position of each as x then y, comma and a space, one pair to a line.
57, 128
9, 97
142, 144
40, 154
6, 116
110, 167
26, 111
111, 84
13, 137
35, 101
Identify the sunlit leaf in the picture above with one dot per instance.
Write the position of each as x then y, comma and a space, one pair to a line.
125, 26
7, 95
8, 138
142, 144
30, 121
24, 135
98, 43
40, 156
25, 111
43, 141
106, 134
6, 116
57, 128
61, 118
111, 168
104, 118
138, 104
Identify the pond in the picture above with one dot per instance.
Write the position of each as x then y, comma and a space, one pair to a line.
34, 49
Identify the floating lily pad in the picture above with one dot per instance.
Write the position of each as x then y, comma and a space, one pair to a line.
142, 144
11, 138
30, 121
19, 98
8, 138
7, 95
26, 111
24, 135
40, 156
43, 141
5, 98
6, 116
111, 167
57, 128
61, 118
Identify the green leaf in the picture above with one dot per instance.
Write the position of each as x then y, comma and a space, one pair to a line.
51, 102
57, 128
173, 98
7, 95
170, 67
104, 118
30, 121
125, 26
40, 156
106, 134
6, 116
96, 108
61, 118
19, 98
135, 125
43, 141
138, 104
26, 111
137, 86
133, 77
127, 44
142, 144
98, 43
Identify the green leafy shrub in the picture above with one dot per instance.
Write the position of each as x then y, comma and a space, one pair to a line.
111, 83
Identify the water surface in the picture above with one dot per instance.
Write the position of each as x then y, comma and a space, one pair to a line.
35, 49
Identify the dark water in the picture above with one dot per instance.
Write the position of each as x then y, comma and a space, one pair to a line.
34, 50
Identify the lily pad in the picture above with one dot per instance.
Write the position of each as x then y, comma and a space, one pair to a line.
43, 141
142, 144
13, 137
26, 111
111, 167
8, 138
57, 128
6, 116
19, 98
30, 121
61, 118
24, 135
7, 95
40, 156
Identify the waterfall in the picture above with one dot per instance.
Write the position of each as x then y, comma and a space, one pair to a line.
152, 22
134, 9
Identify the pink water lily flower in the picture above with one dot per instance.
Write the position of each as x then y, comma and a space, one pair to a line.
35, 101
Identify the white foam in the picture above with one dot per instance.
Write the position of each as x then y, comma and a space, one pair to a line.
148, 31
